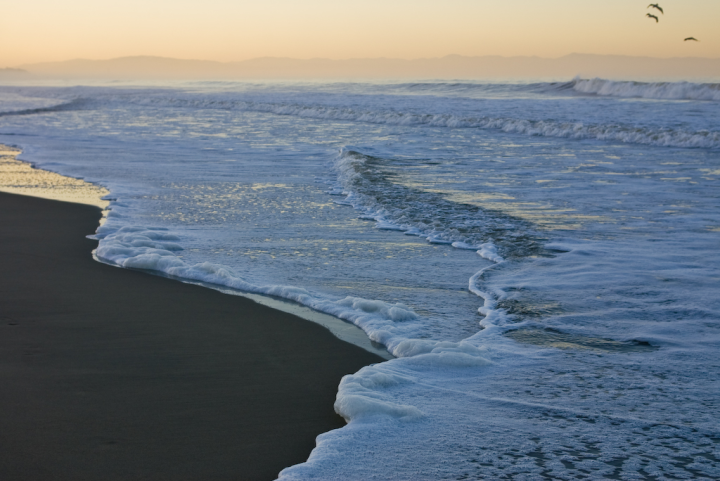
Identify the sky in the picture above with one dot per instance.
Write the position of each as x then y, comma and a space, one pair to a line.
233, 30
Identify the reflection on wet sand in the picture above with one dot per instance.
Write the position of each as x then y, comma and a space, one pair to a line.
18, 177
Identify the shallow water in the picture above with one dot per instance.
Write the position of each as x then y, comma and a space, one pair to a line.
541, 258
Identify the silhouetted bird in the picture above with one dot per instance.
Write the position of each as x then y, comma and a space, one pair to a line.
653, 16
656, 7
691, 38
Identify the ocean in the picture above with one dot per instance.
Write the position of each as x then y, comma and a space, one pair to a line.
537, 260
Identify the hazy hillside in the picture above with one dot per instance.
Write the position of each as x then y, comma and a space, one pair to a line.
450, 67
13, 73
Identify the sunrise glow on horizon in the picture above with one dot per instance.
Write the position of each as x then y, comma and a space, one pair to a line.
223, 30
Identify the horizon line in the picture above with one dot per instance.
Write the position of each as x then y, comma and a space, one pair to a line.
159, 57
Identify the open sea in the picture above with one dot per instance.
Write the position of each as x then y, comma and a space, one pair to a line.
542, 260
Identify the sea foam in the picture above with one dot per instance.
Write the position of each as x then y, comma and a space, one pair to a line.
154, 249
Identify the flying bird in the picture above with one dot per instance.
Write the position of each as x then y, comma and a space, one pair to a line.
656, 7
691, 38
653, 16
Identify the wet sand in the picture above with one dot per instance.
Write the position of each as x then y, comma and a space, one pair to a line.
108, 373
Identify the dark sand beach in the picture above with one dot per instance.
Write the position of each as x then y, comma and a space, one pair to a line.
108, 373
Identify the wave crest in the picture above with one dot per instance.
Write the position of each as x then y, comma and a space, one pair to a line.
647, 90
66, 105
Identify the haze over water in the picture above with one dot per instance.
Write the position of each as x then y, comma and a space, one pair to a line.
223, 30
540, 257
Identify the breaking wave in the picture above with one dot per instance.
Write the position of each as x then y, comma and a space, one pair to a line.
646, 90
69, 105
612, 132
664, 137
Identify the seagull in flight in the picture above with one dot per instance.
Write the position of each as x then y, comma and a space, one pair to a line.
691, 38
653, 16
656, 7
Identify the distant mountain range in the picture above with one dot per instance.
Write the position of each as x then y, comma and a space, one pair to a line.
12, 73
450, 67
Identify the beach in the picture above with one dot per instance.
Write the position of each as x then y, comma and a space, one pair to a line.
111, 373
534, 263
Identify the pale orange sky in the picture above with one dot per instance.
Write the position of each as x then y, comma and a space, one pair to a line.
231, 30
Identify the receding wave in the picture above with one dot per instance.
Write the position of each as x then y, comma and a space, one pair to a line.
372, 188
647, 90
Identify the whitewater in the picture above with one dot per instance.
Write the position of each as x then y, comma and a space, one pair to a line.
539, 260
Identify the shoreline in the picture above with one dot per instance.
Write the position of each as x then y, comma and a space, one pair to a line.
343, 330
110, 373
23, 177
